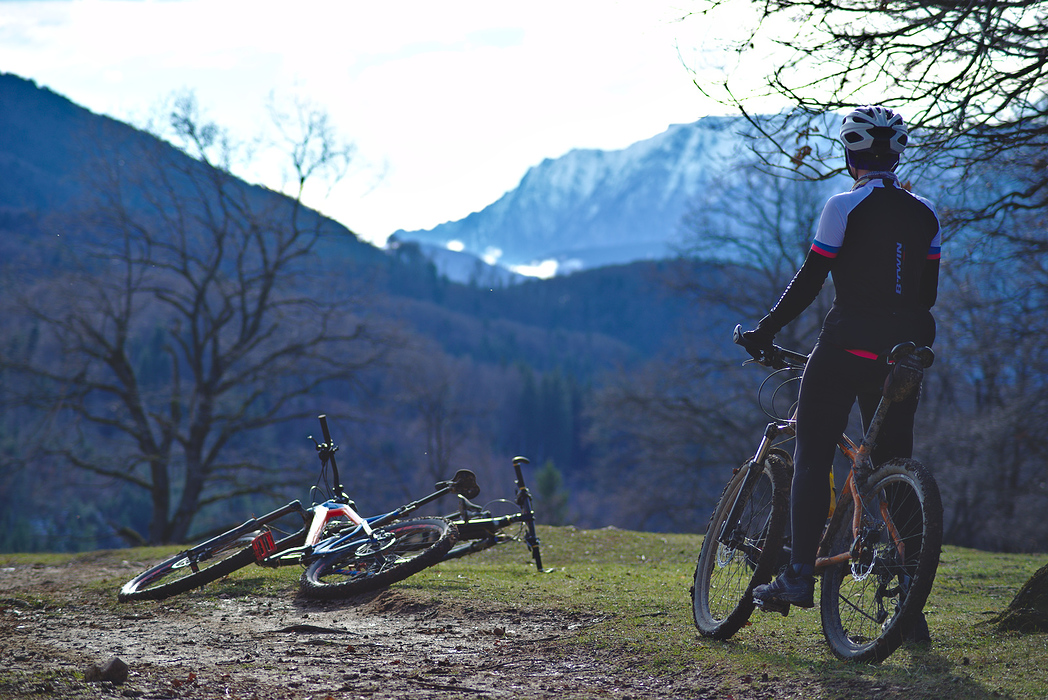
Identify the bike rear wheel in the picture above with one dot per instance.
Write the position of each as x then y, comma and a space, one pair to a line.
190, 569
726, 573
395, 552
867, 603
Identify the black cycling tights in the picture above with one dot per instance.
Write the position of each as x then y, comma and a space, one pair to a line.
833, 379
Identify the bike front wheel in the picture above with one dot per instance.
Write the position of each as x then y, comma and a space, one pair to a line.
868, 602
747, 555
394, 552
190, 569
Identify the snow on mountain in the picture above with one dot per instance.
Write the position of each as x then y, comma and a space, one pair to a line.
590, 208
457, 265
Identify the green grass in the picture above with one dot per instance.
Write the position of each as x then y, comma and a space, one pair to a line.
629, 592
636, 587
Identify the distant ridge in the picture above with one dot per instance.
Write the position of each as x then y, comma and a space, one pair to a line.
590, 208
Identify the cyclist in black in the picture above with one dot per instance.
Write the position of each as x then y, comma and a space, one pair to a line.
881, 244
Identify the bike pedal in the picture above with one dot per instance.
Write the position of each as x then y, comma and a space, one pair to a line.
263, 546
778, 606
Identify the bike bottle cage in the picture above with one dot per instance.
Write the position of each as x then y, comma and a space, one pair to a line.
907, 362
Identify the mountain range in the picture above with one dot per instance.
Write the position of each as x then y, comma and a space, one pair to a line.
48, 145
590, 208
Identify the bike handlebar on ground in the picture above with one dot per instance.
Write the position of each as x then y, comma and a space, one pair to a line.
326, 452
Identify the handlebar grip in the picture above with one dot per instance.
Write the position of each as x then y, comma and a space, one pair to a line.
324, 428
771, 356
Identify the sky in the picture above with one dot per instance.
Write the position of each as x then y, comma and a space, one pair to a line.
448, 102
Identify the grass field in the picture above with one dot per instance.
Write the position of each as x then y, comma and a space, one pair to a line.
638, 584
633, 589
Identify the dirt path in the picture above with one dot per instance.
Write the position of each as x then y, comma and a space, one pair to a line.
55, 622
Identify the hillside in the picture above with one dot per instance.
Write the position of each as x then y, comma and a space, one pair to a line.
459, 373
49, 152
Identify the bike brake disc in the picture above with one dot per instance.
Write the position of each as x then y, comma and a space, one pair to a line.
380, 542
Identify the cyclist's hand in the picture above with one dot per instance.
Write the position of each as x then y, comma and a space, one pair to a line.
757, 343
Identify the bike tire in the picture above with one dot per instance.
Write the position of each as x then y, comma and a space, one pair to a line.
405, 548
179, 574
866, 606
722, 594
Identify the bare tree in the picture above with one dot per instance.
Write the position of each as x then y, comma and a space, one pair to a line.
759, 228
431, 389
970, 77
687, 418
195, 315
986, 394
666, 438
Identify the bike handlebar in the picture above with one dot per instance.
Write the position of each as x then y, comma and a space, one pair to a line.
324, 428
777, 357
326, 451
774, 356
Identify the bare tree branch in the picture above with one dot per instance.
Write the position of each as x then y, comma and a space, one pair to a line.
970, 77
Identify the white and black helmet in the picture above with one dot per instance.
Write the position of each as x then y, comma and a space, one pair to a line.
876, 130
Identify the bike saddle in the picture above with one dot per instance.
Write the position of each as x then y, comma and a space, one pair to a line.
908, 363
464, 483
924, 355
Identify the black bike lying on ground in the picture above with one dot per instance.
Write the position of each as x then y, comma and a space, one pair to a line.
478, 528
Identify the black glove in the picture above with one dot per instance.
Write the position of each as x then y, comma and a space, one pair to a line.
758, 342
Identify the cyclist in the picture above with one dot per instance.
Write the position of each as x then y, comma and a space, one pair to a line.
881, 245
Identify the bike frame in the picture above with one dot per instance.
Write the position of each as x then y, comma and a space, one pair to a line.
309, 543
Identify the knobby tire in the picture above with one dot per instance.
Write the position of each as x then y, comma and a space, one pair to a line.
177, 575
867, 605
725, 576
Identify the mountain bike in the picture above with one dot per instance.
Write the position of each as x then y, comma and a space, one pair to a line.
880, 548
478, 528
343, 552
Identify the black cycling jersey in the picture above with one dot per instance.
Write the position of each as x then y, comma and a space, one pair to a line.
881, 244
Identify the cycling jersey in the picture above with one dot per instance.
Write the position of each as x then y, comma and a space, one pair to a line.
881, 244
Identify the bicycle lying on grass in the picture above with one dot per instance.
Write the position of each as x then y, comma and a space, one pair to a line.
343, 553
878, 553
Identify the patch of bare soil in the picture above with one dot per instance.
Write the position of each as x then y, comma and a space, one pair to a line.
56, 623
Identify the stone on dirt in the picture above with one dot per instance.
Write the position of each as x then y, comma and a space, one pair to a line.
115, 670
